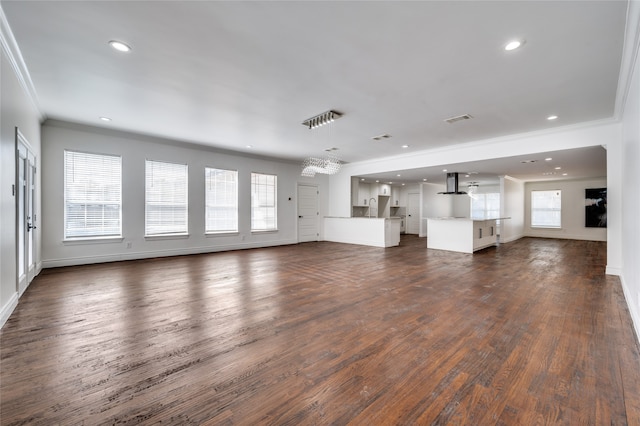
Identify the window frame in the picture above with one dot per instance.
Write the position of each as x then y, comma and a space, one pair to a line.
77, 155
485, 210
184, 230
255, 197
534, 209
233, 206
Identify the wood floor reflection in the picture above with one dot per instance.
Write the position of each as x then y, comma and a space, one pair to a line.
530, 332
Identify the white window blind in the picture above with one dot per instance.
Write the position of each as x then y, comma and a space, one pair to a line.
263, 202
92, 195
485, 205
166, 203
221, 200
546, 209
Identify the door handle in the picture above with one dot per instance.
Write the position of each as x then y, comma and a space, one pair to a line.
30, 227
299, 217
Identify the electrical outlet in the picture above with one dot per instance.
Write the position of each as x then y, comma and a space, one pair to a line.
129, 244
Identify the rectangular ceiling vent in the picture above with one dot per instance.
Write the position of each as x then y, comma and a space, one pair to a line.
452, 120
380, 137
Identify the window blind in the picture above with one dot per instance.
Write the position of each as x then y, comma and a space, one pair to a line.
546, 209
166, 198
221, 200
263, 202
485, 205
92, 195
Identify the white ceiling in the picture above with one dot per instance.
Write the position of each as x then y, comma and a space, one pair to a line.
232, 74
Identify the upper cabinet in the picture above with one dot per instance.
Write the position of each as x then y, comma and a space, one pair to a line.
355, 185
364, 194
395, 196
384, 189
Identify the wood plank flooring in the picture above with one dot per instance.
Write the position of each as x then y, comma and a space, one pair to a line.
531, 332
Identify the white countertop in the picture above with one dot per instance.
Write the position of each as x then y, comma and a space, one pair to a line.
475, 219
364, 217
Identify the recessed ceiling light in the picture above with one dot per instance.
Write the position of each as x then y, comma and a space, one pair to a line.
105, 119
362, 179
558, 168
377, 181
548, 159
514, 44
403, 184
424, 180
552, 117
564, 174
398, 175
405, 146
120, 46
249, 146
444, 170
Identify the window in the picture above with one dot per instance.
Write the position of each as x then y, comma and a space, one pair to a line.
221, 200
92, 195
166, 206
546, 209
485, 205
263, 202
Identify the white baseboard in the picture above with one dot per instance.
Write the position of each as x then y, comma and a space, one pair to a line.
633, 308
509, 239
610, 270
87, 260
8, 309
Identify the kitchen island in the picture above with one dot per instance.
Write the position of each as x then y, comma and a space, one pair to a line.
462, 234
377, 232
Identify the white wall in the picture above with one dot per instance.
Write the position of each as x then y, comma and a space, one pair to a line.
573, 210
511, 206
16, 110
579, 136
433, 204
599, 133
630, 194
135, 149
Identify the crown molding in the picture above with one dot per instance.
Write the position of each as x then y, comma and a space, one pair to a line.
11, 49
629, 56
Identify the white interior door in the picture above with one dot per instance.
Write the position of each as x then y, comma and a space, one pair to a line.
307, 213
413, 214
25, 213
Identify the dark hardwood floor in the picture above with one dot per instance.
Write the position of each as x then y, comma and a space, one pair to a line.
530, 332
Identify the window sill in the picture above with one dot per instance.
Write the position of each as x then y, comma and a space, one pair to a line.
266, 231
221, 234
547, 227
92, 240
166, 237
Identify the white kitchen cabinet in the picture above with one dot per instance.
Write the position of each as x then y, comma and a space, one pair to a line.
384, 189
364, 194
355, 186
395, 196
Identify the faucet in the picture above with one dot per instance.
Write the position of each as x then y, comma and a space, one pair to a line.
372, 199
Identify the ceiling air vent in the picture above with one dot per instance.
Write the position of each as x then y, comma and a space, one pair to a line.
452, 120
380, 137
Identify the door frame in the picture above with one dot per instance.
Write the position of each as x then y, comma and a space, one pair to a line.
25, 234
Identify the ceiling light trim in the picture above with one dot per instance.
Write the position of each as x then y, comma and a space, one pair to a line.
120, 46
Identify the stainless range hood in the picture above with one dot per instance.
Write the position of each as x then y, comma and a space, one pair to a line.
452, 185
